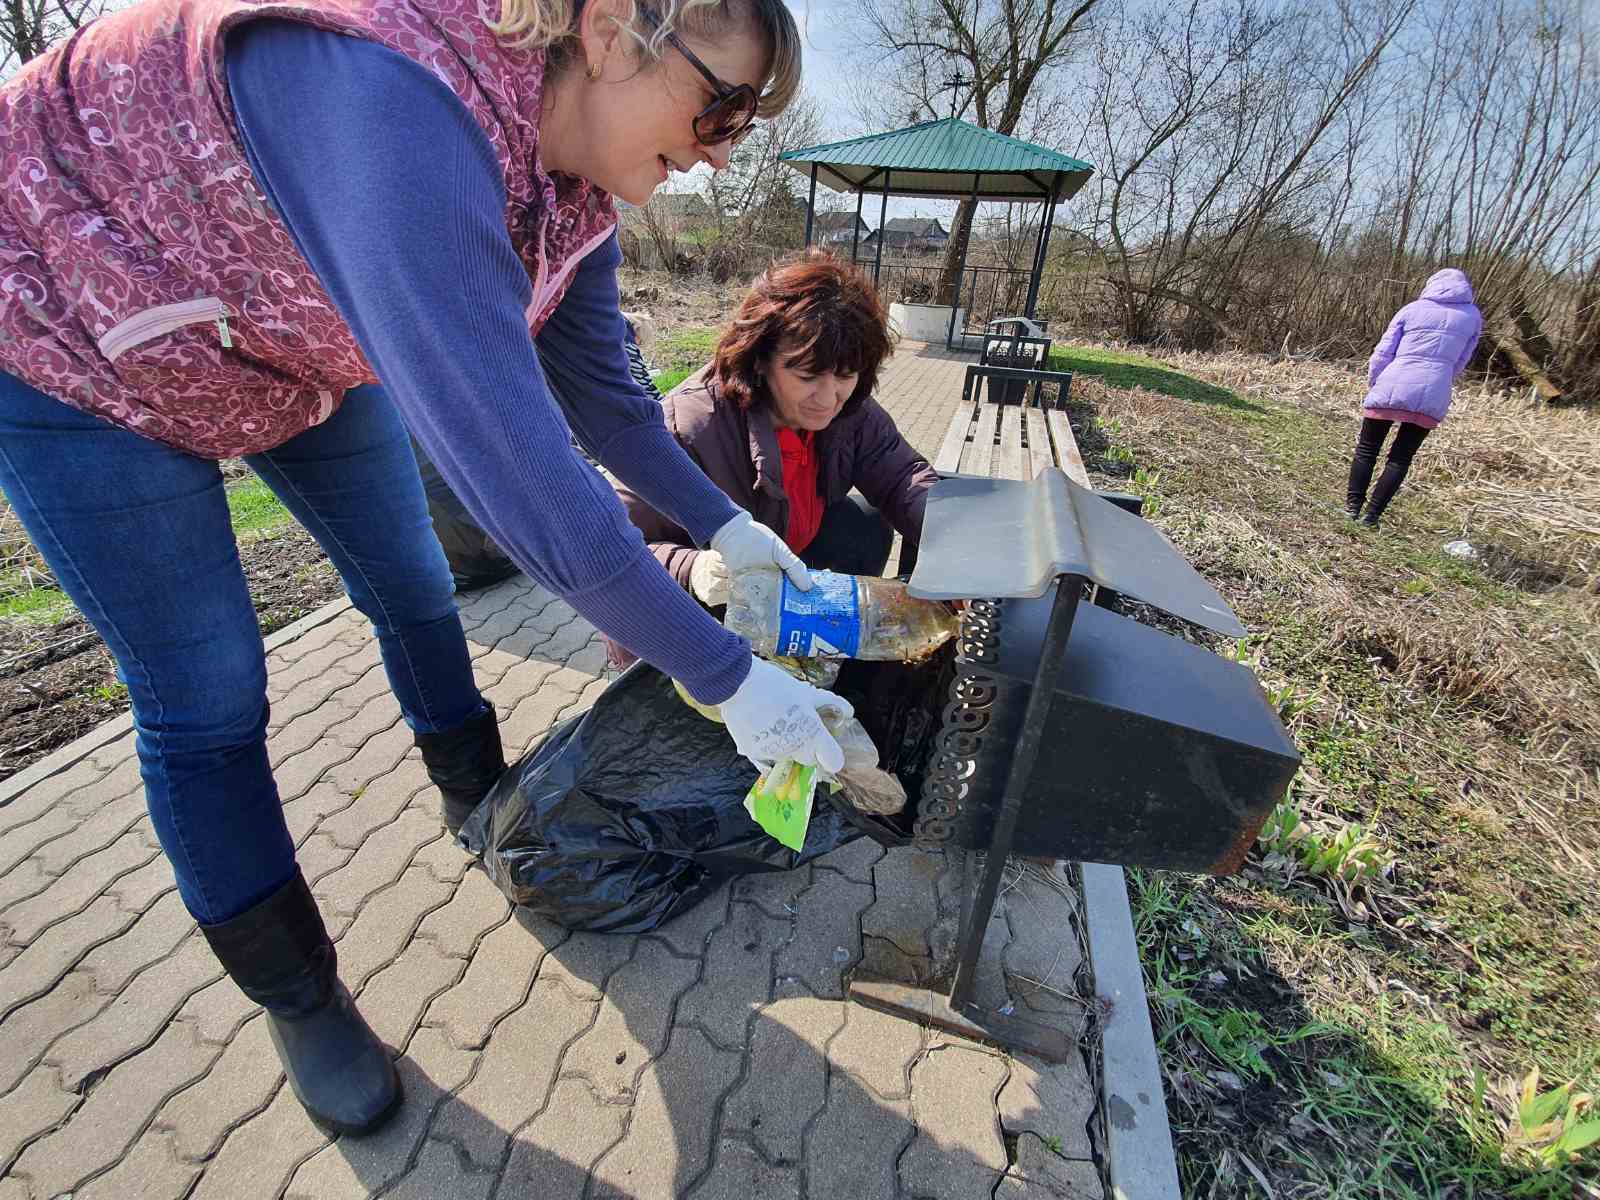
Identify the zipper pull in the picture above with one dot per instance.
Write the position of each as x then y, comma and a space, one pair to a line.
222, 329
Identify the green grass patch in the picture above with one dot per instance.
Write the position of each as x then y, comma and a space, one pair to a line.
252, 507
1124, 369
665, 381
685, 349
37, 606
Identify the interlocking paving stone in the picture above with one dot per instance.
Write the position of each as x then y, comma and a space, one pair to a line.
396, 997
583, 961
115, 1111
136, 1016
45, 960
496, 980
668, 1143
738, 975
380, 861
906, 900
29, 1031
958, 1152
877, 1050
259, 1155
358, 1167
551, 1158
439, 1173
218, 1011
148, 1169
138, 890
787, 1078
71, 891
515, 1073
476, 908
828, 921
155, 933
742, 1174
30, 1109
688, 932
1039, 1174
384, 926
1051, 1100
852, 1147
631, 1028
241, 1083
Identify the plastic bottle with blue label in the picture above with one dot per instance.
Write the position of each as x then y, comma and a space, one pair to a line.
842, 616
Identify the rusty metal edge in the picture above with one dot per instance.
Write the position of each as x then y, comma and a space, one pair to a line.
1140, 1161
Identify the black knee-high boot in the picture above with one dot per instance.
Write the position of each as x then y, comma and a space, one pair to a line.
280, 955
464, 763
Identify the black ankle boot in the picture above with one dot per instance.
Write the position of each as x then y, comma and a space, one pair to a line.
281, 957
464, 763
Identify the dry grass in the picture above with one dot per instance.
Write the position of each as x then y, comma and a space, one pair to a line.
1451, 707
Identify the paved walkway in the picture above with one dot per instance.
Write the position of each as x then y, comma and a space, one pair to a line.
714, 1058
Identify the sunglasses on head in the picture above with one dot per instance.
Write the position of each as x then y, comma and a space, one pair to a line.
727, 118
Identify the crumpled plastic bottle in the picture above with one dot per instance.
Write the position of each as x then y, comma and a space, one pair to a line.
842, 616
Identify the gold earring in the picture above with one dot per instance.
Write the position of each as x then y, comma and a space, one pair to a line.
594, 72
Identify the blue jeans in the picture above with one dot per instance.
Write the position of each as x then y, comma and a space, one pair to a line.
138, 535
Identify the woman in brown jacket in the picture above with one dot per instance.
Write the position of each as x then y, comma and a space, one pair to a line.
784, 422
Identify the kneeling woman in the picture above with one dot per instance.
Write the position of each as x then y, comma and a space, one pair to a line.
784, 422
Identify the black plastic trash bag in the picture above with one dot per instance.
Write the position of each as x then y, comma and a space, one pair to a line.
475, 560
630, 813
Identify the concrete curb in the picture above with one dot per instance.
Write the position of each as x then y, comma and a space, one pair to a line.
76, 751
1140, 1162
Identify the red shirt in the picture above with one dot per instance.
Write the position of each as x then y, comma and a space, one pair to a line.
800, 486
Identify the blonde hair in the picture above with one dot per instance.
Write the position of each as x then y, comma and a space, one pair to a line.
548, 24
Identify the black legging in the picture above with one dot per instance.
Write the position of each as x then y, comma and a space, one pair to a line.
1368, 444
854, 539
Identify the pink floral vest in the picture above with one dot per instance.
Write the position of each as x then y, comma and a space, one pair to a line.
144, 277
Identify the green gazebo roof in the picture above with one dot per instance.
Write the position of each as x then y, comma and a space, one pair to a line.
941, 159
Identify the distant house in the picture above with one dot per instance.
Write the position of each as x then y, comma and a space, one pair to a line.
911, 233
838, 229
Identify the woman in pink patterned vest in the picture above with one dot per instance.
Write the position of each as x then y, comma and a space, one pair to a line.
290, 231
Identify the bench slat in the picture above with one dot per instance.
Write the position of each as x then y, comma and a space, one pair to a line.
948, 461
1067, 455
1039, 452
981, 453
1008, 459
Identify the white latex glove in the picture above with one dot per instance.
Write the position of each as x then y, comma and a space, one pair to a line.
774, 716
708, 578
746, 545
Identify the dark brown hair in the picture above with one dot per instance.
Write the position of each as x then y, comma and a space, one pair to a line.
823, 314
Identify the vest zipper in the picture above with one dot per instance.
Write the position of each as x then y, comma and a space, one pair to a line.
163, 319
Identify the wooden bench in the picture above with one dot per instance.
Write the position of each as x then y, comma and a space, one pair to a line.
1011, 441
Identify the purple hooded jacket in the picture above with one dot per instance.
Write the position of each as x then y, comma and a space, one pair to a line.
1428, 343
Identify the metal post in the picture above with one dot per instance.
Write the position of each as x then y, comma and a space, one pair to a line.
811, 204
1043, 248
855, 230
955, 292
883, 219
1062, 610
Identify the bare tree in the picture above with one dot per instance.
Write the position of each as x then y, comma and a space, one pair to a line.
1004, 52
30, 27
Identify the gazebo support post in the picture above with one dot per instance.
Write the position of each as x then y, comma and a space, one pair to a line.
1043, 247
883, 219
855, 230
811, 204
961, 269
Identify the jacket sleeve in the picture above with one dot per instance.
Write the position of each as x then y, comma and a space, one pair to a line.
1472, 344
668, 541
408, 235
1383, 353
890, 473
581, 348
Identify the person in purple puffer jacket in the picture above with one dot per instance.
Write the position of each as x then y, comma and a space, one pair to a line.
1428, 343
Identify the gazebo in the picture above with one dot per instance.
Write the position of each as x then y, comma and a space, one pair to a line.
950, 159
